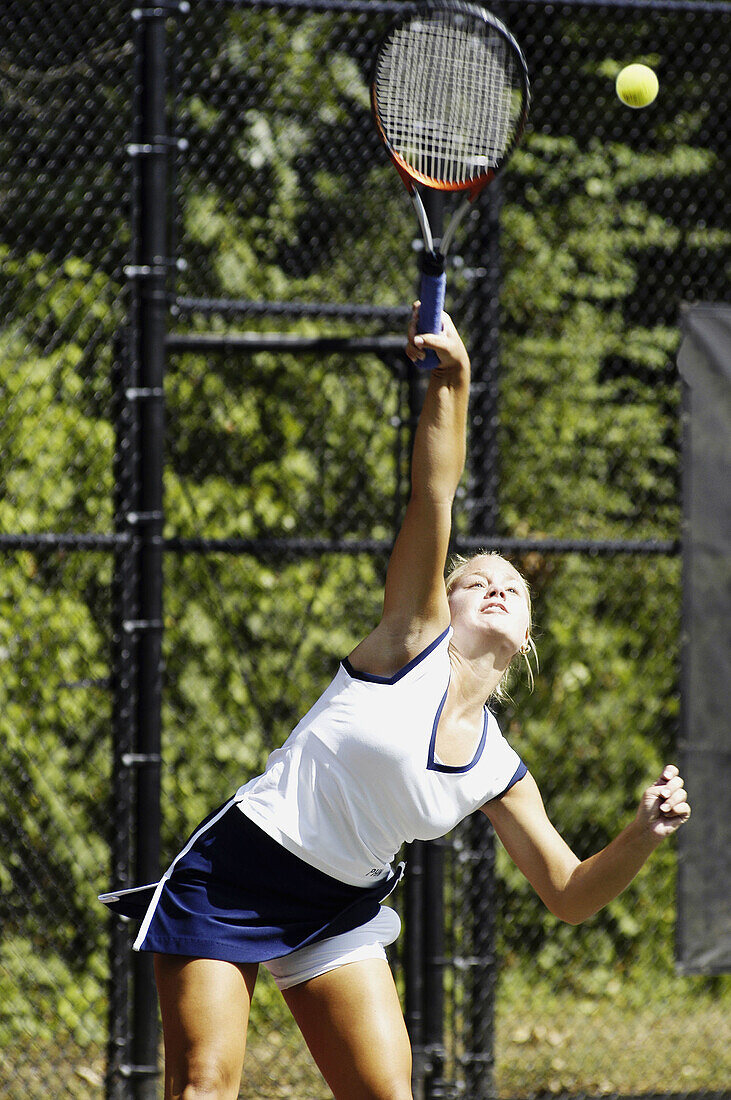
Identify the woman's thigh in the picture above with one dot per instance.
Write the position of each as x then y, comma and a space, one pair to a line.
352, 1022
205, 1006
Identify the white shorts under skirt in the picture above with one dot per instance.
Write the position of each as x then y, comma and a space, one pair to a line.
368, 941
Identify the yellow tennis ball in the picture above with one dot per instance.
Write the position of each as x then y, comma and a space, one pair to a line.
637, 85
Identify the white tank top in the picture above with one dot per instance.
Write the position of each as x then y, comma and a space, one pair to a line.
358, 776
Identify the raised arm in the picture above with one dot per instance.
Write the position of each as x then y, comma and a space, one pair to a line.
415, 608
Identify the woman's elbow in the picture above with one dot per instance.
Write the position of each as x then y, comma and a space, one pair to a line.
567, 906
569, 912
574, 918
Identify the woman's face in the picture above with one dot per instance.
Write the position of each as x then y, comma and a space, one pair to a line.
490, 608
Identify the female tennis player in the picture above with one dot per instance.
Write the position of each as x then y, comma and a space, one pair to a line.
291, 872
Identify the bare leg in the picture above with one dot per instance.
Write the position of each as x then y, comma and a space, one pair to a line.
205, 1013
352, 1022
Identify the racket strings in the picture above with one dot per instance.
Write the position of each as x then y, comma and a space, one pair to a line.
449, 99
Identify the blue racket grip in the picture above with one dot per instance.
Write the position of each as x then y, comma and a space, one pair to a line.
433, 286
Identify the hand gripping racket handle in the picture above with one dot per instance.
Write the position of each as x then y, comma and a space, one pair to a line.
433, 286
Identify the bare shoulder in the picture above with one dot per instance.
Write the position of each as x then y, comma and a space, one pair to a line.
389, 647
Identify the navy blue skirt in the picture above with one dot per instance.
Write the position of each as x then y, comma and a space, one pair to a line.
238, 895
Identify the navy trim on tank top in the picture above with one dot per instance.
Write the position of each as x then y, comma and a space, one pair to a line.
519, 772
372, 679
435, 765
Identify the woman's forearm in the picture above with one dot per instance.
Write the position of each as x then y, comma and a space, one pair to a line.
602, 877
440, 443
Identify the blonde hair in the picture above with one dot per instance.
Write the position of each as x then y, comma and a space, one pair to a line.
458, 566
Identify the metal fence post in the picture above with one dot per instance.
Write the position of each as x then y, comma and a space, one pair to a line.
148, 276
434, 961
480, 1059
483, 511
424, 955
124, 718
413, 962
414, 901
482, 501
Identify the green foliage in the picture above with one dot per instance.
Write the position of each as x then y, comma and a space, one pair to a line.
56, 447
250, 646
56, 442
250, 234
267, 446
47, 999
55, 463
590, 404
54, 768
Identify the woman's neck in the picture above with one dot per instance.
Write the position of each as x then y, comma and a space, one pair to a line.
474, 679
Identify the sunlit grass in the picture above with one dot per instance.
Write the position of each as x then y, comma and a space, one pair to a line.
650, 1036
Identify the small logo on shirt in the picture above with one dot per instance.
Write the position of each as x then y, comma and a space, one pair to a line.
374, 872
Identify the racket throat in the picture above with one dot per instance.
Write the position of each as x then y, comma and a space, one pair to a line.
446, 241
421, 214
432, 247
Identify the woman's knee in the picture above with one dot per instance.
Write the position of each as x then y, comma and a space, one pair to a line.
203, 1078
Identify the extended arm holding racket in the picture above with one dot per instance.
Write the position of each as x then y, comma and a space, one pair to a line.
415, 606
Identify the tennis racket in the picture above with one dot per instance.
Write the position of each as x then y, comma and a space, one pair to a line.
450, 96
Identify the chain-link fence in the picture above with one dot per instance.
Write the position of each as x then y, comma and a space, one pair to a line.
207, 176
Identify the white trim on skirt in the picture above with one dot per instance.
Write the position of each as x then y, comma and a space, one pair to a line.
184, 851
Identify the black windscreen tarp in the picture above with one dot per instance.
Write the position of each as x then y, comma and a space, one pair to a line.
704, 874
